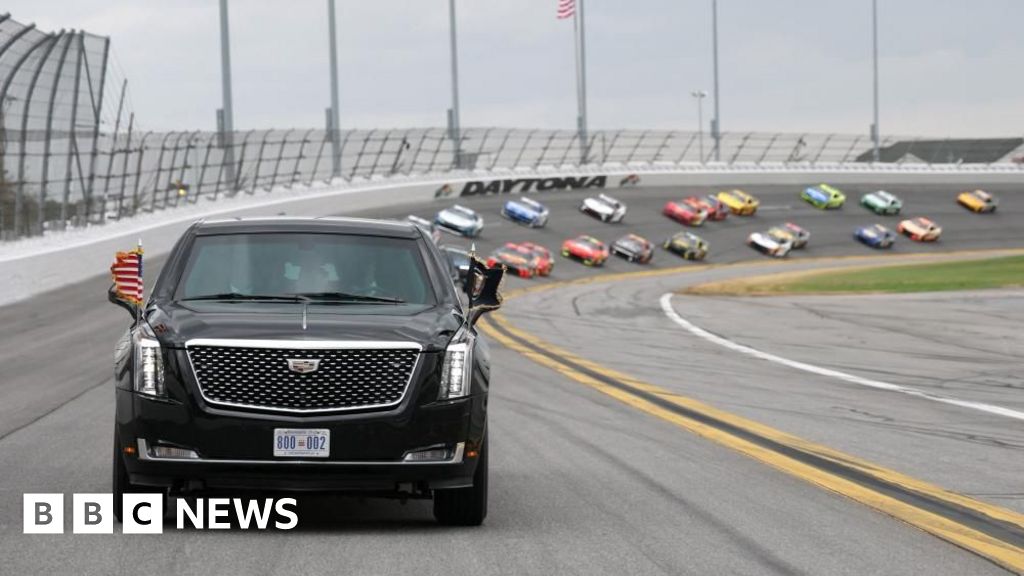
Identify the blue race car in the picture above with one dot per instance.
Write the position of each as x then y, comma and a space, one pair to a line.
526, 211
875, 236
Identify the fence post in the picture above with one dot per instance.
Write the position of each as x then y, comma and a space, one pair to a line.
299, 158
362, 150
664, 144
686, 149
768, 148
259, 161
611, 147
19, 198
501, 148
72, 132
236, 186
419, 148
822, 149
49, 130
124, 166
850, 150
280, 154
437, 151
639, 141
544, 150
522, 149
136, 202
202, 170
97, 111
742, 145
568, 149
376, 159
159, 170
319, 155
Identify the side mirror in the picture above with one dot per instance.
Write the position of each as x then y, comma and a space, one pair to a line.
483, 287
112, 297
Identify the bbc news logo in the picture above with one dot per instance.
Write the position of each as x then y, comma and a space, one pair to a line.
144, 514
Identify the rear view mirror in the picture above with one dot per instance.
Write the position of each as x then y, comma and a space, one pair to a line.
113, 299
483, 287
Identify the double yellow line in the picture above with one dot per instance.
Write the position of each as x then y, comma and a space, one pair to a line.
990, 531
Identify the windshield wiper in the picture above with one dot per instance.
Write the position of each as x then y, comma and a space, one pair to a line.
253, 297
346, 297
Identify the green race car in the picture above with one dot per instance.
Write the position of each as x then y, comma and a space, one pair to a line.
823, 196
882, 202
688, 245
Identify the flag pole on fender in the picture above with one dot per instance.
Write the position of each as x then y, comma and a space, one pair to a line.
126, 272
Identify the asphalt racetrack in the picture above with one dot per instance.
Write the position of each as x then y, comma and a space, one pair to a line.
586, 477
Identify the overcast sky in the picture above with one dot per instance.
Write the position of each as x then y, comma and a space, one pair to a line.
948, 67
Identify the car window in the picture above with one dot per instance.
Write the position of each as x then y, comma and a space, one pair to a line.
296, 263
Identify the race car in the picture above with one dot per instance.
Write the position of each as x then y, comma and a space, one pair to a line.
518, 263
823, 196
881, 202
427, 226
604, 207
540, 254
777, 246
739, 202
920, 229
875, 236
688, 245
977, 201
633, 248
715, 208
526, 211
685, 212
797, 235
586, 249
460, 220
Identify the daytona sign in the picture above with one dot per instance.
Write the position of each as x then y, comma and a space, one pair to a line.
524, 185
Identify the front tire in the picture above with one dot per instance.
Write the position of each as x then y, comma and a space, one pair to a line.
465, 506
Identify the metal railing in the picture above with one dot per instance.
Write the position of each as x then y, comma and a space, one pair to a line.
159, 170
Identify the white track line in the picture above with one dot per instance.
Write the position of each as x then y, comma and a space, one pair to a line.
666, 306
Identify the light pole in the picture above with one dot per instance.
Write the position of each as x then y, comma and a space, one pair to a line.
226, 116
334, 120
716, 123
874, 39
455, 127
699, 96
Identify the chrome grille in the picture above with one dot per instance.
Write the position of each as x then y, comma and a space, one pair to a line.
349, 376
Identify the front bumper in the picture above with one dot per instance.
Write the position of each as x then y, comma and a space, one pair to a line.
235, 449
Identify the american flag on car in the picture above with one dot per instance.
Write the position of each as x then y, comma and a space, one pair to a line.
126, 272
566, 9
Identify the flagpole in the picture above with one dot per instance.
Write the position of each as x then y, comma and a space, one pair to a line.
581, 78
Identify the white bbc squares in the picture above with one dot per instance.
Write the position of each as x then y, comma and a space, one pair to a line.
92, 513
142, 514
43, 514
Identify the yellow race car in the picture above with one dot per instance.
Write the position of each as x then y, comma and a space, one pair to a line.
739, 202
977, 201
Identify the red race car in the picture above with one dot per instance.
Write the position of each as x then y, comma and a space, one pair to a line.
713, 206
545, 263
685, 212
586, 249
518, 263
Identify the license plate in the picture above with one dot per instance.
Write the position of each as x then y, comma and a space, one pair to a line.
309, 443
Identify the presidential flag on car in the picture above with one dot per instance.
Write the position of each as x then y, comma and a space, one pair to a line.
127, 275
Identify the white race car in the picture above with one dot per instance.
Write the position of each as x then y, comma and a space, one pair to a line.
775, 245
460, 220
604, 207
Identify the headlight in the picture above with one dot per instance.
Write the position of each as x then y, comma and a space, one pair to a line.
457, 370
149, 367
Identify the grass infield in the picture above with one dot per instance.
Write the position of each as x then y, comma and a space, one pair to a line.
1000, 272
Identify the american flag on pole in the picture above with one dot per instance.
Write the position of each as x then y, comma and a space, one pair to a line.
126, 272
566, 9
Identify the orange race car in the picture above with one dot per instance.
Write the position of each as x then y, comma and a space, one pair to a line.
522, 265
920, 229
